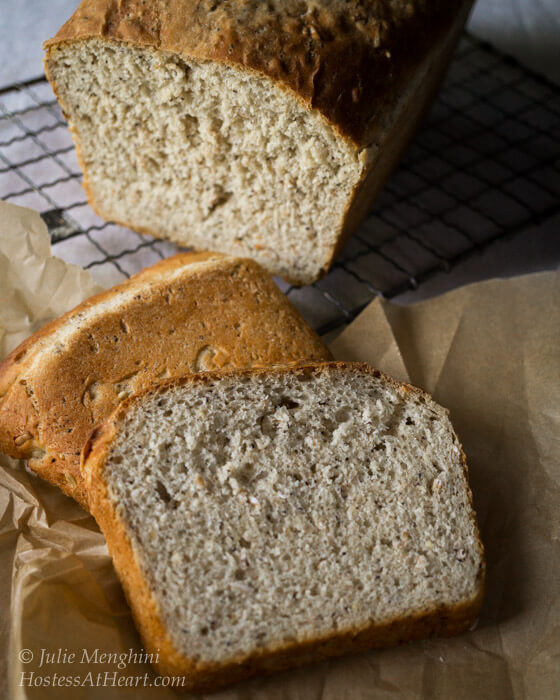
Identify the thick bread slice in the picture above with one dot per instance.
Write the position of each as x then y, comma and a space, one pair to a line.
262, 129
187, 313
262, 519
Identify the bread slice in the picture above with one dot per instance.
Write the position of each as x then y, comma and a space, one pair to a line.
262, 129
265, 518
188, 313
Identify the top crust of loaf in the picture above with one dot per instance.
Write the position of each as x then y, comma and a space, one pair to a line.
190, 312
204, 675
344, 58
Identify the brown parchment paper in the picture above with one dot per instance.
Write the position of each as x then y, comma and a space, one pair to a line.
489, 352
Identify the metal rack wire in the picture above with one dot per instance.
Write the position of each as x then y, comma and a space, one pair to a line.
486, 165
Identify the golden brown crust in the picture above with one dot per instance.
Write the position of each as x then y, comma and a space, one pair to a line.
395, 138
441, 621
192, 311
346, 59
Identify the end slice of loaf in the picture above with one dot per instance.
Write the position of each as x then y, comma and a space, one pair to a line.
267, 518
187, 313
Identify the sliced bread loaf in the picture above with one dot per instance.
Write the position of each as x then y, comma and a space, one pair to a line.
262, 129
262, 519
187, 313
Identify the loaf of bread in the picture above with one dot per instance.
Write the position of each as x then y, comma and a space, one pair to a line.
188, 313
260, 129
261, 519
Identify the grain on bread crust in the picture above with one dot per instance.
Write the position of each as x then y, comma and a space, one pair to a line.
191, 312
206, 675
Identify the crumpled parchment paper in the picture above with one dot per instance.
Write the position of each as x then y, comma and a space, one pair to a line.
490, 352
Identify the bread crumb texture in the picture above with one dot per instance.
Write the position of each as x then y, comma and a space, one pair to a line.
205, 154
270, 509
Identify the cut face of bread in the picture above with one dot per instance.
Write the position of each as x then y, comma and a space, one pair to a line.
263, 519
189, 313
205, 154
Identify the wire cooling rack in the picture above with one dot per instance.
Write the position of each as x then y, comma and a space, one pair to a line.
485, 165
